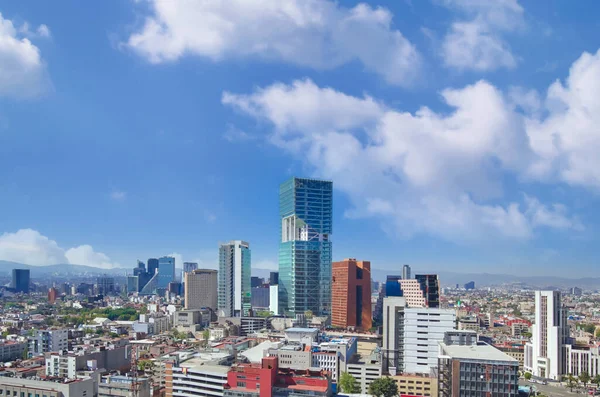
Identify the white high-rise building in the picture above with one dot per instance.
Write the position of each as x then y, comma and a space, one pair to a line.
405, 272
411, 335
546, 355
234, 279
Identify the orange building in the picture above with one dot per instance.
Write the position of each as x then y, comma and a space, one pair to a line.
351, 294
52, 294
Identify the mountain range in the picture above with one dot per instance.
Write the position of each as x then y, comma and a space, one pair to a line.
447, 279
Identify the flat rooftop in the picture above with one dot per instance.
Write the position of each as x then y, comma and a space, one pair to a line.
298, 329
476, 352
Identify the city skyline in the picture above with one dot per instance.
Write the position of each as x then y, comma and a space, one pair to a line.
442, 155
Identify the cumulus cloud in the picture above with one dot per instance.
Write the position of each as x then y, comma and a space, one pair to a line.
118, 195
22, 69
318, 34
30, 247
421, 172
477, 42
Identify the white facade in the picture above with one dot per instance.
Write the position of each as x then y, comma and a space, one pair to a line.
274, 299
546, 355
365, 374
412, 292
205, 380
49, 340
411, 335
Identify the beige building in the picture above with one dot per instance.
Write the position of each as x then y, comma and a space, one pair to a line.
201, 289
417, 385
412, 292
31, 387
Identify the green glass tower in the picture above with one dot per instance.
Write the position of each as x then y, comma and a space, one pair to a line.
305, 210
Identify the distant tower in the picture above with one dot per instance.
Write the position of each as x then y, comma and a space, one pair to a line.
152, 266
166, 271
201, 289
20, 280
234, 298
405, 272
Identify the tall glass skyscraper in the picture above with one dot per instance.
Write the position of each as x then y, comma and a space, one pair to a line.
166, 271
305, 209
234, 293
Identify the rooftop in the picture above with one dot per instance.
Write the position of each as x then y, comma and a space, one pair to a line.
299, 329
476, 352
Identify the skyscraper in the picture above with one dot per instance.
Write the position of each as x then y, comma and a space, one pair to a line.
351, 294
234, 297
166, 271
305, 210
430, 286
20, 280
106, 285
201, 289
405, 272
187, 268
392, 286
546, 355
152, 266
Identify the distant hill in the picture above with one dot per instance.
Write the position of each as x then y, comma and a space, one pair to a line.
59, 269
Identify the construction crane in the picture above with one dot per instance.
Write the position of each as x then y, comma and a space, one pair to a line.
134, 388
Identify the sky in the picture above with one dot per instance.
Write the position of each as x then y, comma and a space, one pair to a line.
460, 135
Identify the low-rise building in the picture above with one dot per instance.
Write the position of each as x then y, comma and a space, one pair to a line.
367, 367
22, 387
197, 374
417, 385
476, 370
48, 340
12, 350
120, 386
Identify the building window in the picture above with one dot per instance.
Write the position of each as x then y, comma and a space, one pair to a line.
241, 384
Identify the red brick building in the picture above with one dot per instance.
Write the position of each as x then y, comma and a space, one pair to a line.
267, 380
351, 294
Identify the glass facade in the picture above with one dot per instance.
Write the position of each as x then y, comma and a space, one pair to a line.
305, 209
166, 271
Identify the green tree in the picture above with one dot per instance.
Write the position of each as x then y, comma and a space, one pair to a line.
348, 383
527, 375
584, 378
598, 333
596, 380
383, 387
571, 381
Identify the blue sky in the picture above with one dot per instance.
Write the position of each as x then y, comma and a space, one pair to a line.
460, 134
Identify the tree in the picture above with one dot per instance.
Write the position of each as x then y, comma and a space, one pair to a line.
584, 377
383, 387
571, 381
527, 375
596, 380
348, 383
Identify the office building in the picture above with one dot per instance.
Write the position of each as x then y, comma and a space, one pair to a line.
405, 272
140, 268
106, 285
256, 281
52, 295
430, 286
201, 289
152, 266
132, 284
476, 370
187, 268
411, 336
546, 356
166, 271
392, 286
234, 292
48, 340
20, 280
273, 278
305, 210
30, 387
417, 385
576, 291
412, 292
470, 286
351, 294
260, 297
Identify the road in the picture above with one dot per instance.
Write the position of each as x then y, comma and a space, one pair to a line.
552, 390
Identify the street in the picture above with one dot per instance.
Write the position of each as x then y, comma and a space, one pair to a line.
553, 390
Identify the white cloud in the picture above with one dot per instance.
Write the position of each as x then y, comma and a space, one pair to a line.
118, 195
477, 43
567, 139
235, 135
32, 248
43, 31
22, 69
85, 255
266, 264
318, 34
424, 172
